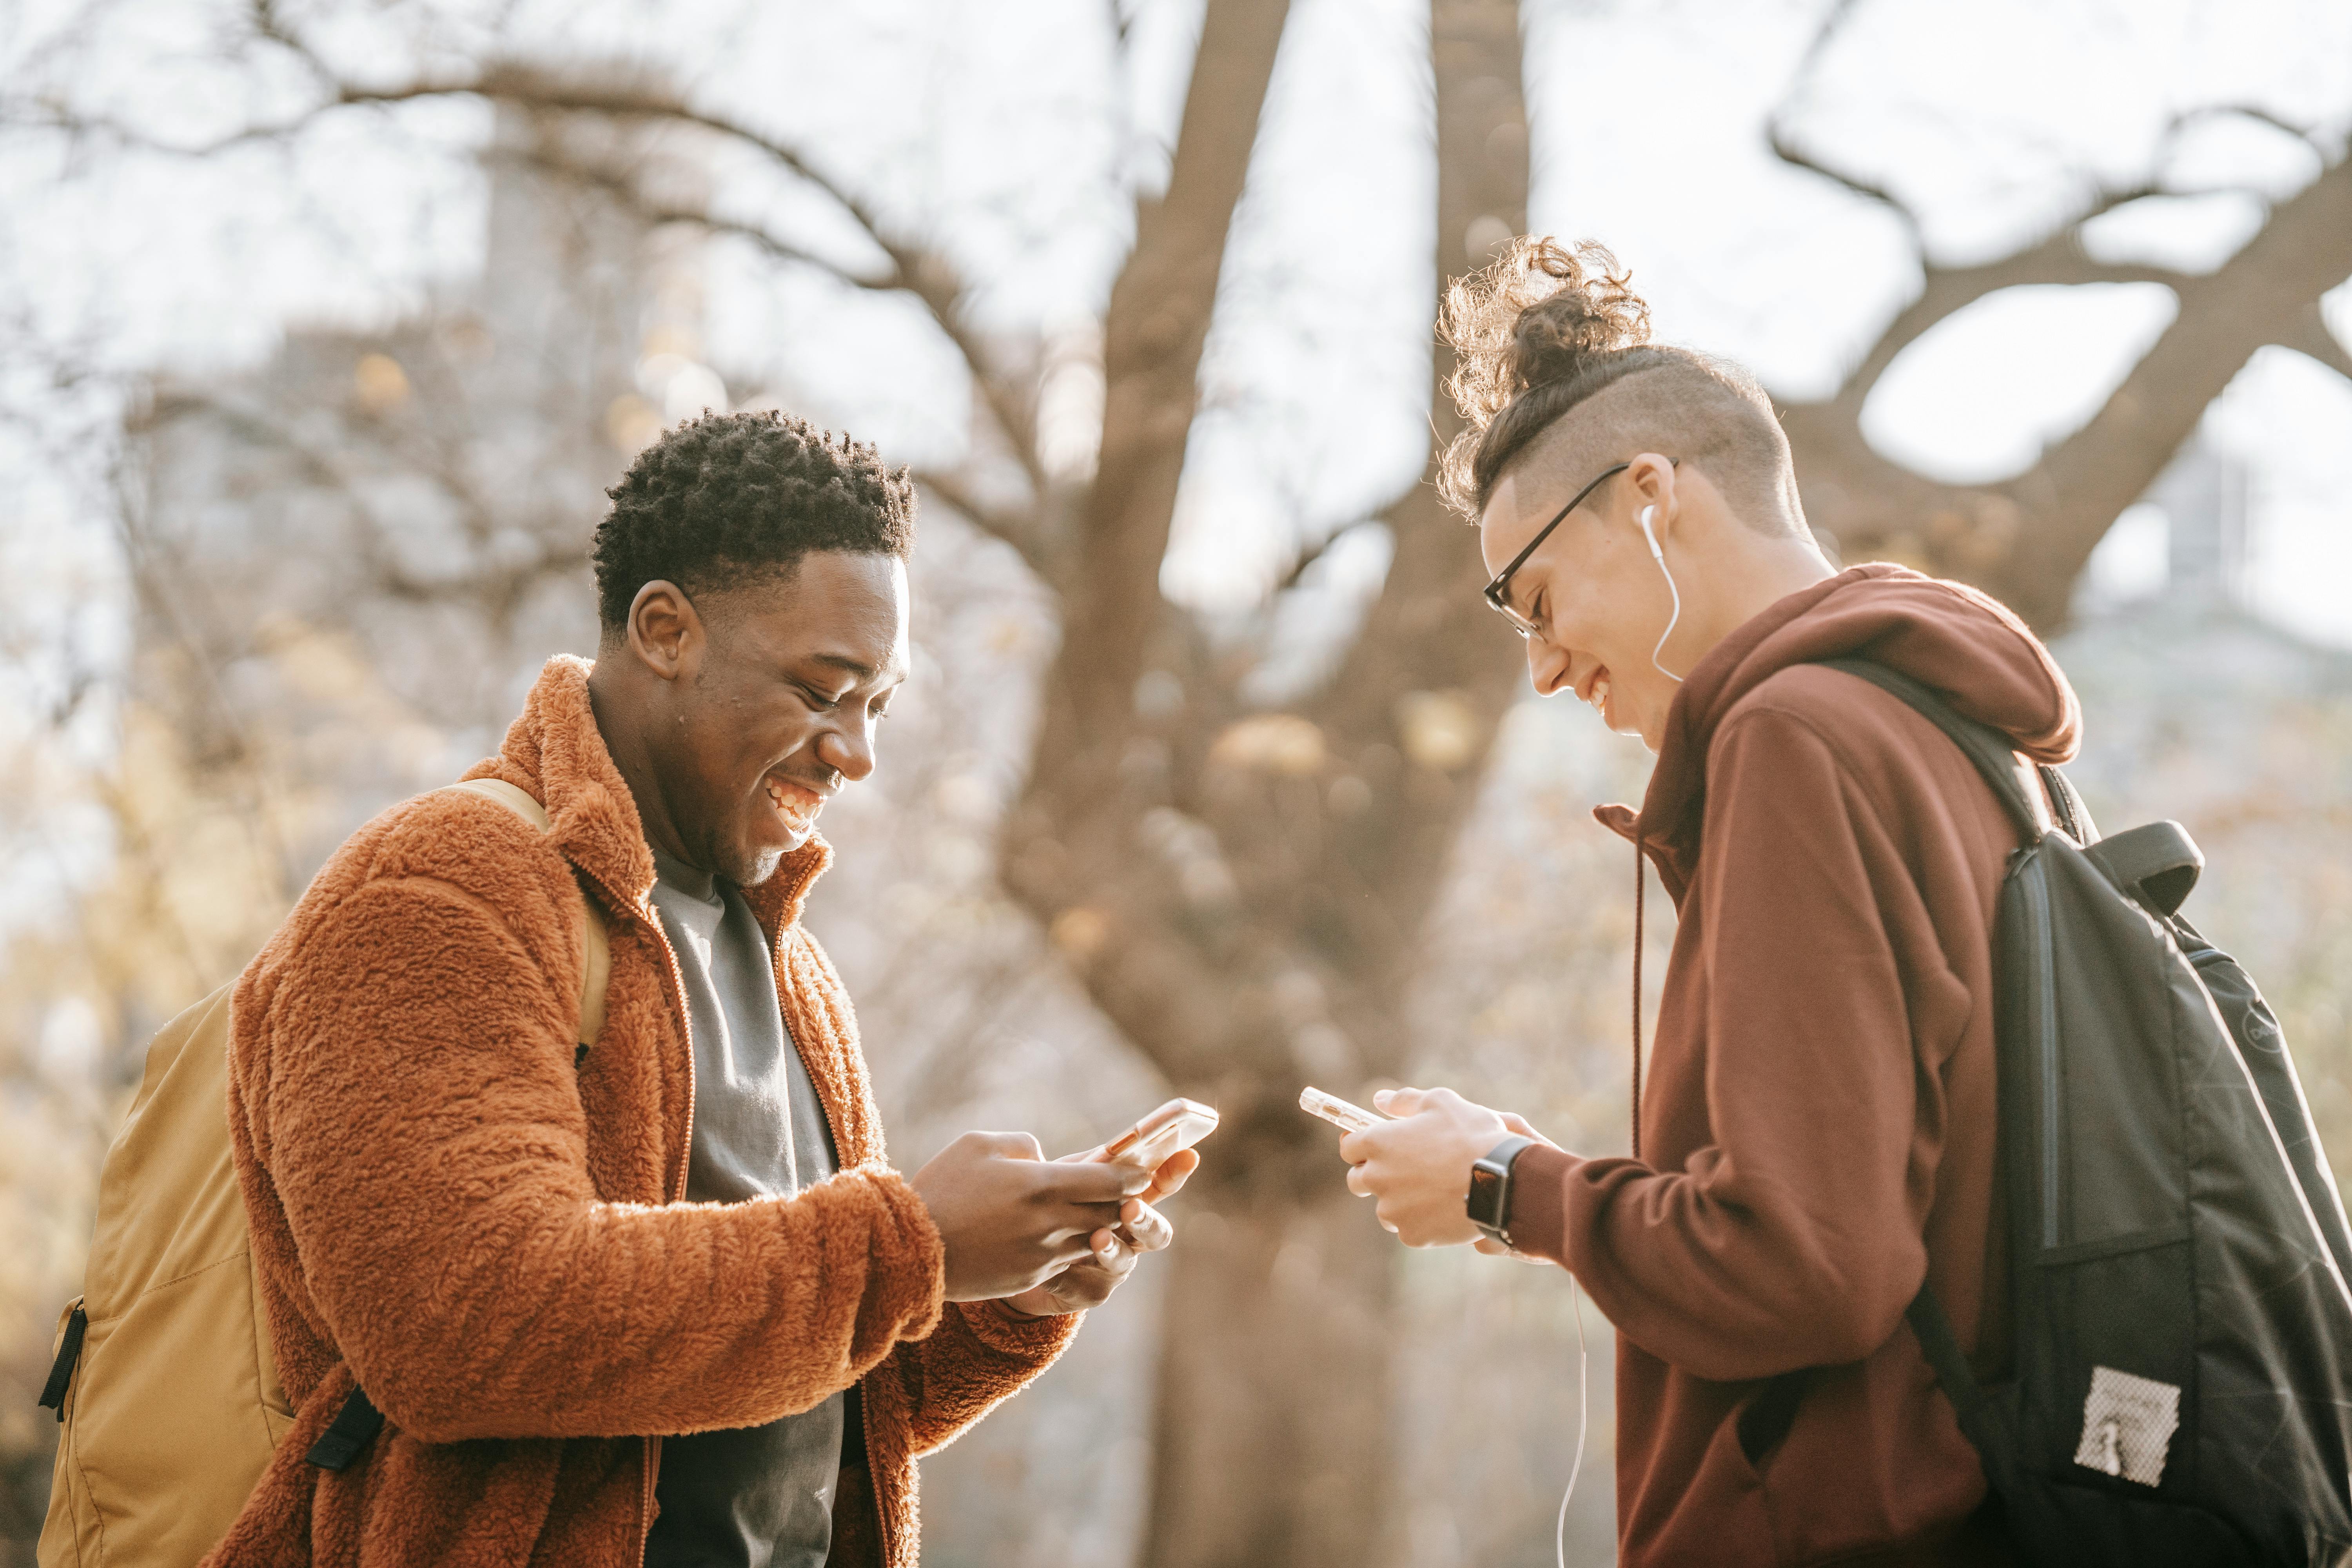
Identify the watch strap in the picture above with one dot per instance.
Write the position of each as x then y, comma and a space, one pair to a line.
1496, 1163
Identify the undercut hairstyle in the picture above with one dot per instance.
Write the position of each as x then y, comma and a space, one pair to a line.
731, 498
1553, 352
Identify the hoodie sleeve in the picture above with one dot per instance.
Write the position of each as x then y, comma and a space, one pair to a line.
1794, 1239
418, 1118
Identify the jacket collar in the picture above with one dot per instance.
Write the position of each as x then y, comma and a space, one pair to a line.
555, 749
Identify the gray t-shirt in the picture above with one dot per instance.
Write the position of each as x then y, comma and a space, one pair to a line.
757, 1497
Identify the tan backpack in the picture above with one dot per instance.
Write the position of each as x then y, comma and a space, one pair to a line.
164, 1380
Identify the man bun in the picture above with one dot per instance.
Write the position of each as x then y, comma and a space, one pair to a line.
1534, 333
1544, 330
1539, 312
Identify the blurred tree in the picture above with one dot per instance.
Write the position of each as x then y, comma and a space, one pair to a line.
1247, 889
2025, 538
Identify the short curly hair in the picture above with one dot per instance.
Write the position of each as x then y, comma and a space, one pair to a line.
1545, 329
734, 495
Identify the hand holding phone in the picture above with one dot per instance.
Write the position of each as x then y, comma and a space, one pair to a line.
1155, 1150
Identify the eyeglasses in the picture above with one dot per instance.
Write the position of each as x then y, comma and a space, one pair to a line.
1499, 591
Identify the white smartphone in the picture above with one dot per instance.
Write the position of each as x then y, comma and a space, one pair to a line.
1146, 1145
1338, 1112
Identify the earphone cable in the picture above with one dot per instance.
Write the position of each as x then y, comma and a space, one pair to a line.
1584, 1421
1673, 621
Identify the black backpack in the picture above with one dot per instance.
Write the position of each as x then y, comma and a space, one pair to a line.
2181, 1391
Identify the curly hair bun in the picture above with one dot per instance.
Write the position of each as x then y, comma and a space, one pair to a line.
1539, 313
1546, 331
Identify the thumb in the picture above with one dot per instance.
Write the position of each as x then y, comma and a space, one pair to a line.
1400, 1102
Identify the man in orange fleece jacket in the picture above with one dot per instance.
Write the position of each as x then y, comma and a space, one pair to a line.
1817, 1133
661, 1298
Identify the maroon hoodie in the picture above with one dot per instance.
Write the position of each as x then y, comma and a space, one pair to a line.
1817, 1127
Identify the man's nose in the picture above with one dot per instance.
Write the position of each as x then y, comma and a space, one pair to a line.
848, 748
1546, 667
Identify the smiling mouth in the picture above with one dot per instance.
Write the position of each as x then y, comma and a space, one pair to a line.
1596, 691
795, 805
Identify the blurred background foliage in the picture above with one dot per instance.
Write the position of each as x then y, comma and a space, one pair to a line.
325, 324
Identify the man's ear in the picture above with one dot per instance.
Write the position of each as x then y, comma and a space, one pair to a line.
666, 632
1650, 480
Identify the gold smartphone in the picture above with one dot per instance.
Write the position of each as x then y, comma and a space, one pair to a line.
1150, 1142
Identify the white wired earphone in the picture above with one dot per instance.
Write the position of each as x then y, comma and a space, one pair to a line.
1658, 554
1583, 1423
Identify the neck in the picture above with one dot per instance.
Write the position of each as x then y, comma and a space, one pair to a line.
1755, 572
625, 720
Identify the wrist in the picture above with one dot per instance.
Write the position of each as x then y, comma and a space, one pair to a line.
1488, 1203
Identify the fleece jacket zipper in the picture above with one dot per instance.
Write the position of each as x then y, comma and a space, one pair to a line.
833, 1127
676, 992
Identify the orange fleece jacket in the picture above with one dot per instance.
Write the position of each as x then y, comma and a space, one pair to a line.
1816, 1130
489, 1240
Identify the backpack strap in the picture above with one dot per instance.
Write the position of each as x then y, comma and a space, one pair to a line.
1769, 1415
1982, 744
595, 941
353, 1428
2158, 864
61, 1370
357, 1423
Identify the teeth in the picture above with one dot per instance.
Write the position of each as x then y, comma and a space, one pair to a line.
796, 806
1600, 696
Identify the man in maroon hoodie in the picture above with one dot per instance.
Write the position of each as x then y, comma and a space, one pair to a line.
1815, 1138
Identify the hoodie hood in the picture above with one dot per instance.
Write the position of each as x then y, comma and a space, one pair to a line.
1965, 646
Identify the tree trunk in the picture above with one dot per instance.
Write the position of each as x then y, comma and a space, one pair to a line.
1276, 1383
1273, 1441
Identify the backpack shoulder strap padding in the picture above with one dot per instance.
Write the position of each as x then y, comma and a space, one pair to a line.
2157, 863
596, 942
1982, 744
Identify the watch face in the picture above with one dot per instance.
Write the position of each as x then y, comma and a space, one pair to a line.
1486, 1204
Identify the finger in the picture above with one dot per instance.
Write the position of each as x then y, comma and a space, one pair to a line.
1023, 1146
1084, 1156
1400, 1101
1358, 1147
1075, 1250
1518, 1124
1095, 1181
1147, 1229
1174, 1173
1361, 1183
1105, 1246
1491, 1247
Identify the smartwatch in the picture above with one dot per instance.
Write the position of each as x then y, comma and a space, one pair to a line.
1489, 1203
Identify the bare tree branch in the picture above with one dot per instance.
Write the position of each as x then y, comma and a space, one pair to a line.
1152, 338
913, 268
1071, 839
2082, 484
2310, 336
1018, 530
1784, 147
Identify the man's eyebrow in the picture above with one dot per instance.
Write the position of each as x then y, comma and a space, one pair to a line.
855, 667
